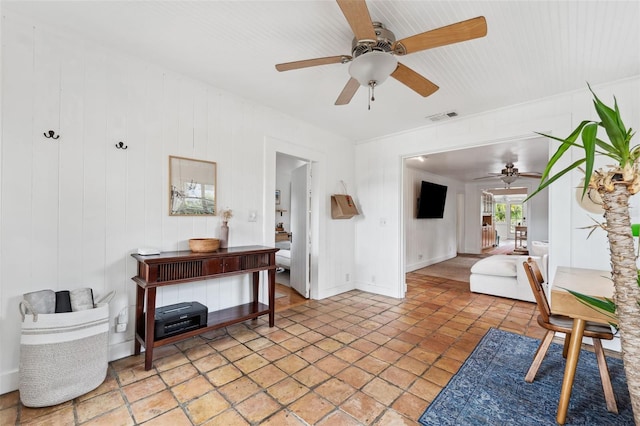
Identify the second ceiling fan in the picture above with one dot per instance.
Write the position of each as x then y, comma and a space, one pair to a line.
510, 174
374, 51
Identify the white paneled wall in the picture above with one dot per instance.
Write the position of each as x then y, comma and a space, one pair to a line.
429, 241
73, 209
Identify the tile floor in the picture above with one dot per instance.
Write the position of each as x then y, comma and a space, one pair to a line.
352, 359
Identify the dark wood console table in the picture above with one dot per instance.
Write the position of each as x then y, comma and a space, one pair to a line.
179, 267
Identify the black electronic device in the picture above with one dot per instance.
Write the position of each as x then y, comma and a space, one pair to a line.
432, 200
179, 318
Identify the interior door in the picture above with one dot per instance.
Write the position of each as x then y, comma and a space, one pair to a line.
300, 231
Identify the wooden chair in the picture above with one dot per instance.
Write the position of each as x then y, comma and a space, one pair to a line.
553, 323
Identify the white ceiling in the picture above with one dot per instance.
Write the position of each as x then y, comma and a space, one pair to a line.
533, 49
528, 155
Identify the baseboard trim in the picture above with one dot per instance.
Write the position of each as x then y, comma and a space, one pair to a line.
419, 265
9, 381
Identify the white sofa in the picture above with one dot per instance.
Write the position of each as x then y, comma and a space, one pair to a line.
503, 275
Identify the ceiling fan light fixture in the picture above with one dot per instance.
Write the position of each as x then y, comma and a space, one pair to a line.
373, 67
509, 179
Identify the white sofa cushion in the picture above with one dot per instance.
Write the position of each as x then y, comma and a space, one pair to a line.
498, 265
504, 275
539, 248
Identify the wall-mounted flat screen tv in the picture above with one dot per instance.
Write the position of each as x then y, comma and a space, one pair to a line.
431, 201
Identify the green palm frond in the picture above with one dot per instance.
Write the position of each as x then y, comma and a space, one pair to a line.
618, 148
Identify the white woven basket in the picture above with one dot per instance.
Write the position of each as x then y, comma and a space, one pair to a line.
64, 355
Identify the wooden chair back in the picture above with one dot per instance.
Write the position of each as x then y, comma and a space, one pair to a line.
535, 281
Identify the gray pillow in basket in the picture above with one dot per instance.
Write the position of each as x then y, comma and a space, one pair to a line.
81, 299
42, 302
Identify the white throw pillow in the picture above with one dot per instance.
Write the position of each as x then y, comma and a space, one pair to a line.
500, 265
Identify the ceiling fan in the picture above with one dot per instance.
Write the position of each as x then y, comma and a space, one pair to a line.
374, 51
510, 174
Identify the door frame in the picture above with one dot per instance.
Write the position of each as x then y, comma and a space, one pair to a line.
272, 146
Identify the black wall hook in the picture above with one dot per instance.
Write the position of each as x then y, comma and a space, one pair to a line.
121, 145
51, 135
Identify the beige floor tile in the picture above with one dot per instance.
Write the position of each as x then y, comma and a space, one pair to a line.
258, 407
267, 375
363, 407
119, 416
134, 373
236, 352
223, 343
287, 391
239, 390
335, 390
228, 418
206, 407
311, 353
143, 388
98, 405
250, 363
382, 391
209, 362
339, 418
371, 365
28, 413
223, 375
410, 405
175, 417
294, 344
393, 418
311, 408
398, 376
63, 416
311, 376
179, 374
291, 364
9, 415
348, 354
199, 351
438, 376
191, 389
153, 406
109, 384
355, 376
283, 418
425, 389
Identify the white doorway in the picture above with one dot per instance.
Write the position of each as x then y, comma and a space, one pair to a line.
300, 232
273, 148
293, 222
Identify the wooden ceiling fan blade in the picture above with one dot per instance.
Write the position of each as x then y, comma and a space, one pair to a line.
530, 175
288, 66
454, 33
414, 81
347, 93
487, 177
359, 19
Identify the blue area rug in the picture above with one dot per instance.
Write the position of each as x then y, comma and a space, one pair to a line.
489, 388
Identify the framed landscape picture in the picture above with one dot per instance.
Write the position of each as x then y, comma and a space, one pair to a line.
192, 187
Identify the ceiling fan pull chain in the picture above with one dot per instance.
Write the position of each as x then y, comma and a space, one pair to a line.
372, 85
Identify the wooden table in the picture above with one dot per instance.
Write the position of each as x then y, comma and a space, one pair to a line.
587, 281
175, 268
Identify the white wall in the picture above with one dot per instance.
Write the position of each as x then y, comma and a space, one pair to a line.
73, 209
379, 243
429, 241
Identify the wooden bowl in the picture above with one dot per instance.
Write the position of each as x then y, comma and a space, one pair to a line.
204, 245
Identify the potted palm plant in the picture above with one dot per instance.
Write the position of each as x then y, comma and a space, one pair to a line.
615, 185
